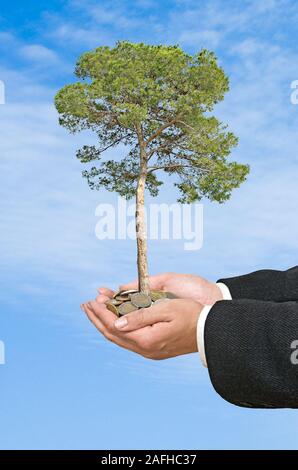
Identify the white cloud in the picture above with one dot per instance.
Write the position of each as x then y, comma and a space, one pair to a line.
247, 47
114, 17
6, 38
102, 24
38, 53
223, 20
88, 37
34, 52
199, 39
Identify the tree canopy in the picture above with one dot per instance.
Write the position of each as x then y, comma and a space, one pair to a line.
155, 103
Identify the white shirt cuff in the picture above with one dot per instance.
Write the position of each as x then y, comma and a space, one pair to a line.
200, 333
202, 320
225, 291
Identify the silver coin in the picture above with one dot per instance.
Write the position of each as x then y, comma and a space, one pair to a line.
140, 300
157, 294
126, 307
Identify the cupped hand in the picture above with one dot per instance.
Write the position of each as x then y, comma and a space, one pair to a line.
187, 286
164, 330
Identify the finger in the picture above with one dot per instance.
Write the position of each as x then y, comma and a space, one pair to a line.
108, 319
106, 291
101, 299
145, 317
105, 316
93, 318
119, 340
155, 282
96, 321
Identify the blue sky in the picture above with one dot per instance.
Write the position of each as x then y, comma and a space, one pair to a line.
63, 386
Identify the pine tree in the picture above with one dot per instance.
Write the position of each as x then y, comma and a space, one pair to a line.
155, 101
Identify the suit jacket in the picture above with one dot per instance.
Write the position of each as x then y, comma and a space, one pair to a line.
250, 340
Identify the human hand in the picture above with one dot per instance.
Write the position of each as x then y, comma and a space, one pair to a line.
184, 286
164, 330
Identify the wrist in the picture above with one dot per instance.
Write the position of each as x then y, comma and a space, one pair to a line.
214, 294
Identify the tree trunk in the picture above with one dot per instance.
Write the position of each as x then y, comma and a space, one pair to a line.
141, 237
141, 231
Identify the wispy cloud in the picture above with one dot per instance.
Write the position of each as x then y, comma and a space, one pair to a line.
38, 53
83, 37
223, 20
199, 39
114, 17
104, 23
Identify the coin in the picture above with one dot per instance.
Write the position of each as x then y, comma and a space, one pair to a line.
126, 307
124, 293
112, 308
157, 294
124, 302
130, 291
115, 302
140, 300
116, 294
170, 295
122, 298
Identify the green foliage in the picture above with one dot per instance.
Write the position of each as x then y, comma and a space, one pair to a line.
120, 177
159, 99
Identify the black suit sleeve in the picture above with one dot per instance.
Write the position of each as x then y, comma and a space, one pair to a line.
250, 350
277, 286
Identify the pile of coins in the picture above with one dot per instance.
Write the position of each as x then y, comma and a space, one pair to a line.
128, 301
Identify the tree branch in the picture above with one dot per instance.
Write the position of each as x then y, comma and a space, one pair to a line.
173, 165
157, 149
113, 143
187, 125
172, 142
160, 130
178, 146
103, 113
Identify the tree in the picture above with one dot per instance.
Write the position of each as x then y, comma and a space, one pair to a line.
156, 101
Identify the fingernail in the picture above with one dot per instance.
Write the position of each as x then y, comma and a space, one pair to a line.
121, 323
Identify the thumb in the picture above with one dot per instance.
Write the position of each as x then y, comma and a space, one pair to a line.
141, 318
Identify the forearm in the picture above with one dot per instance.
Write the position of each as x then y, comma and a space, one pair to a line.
268, 285
248, 352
